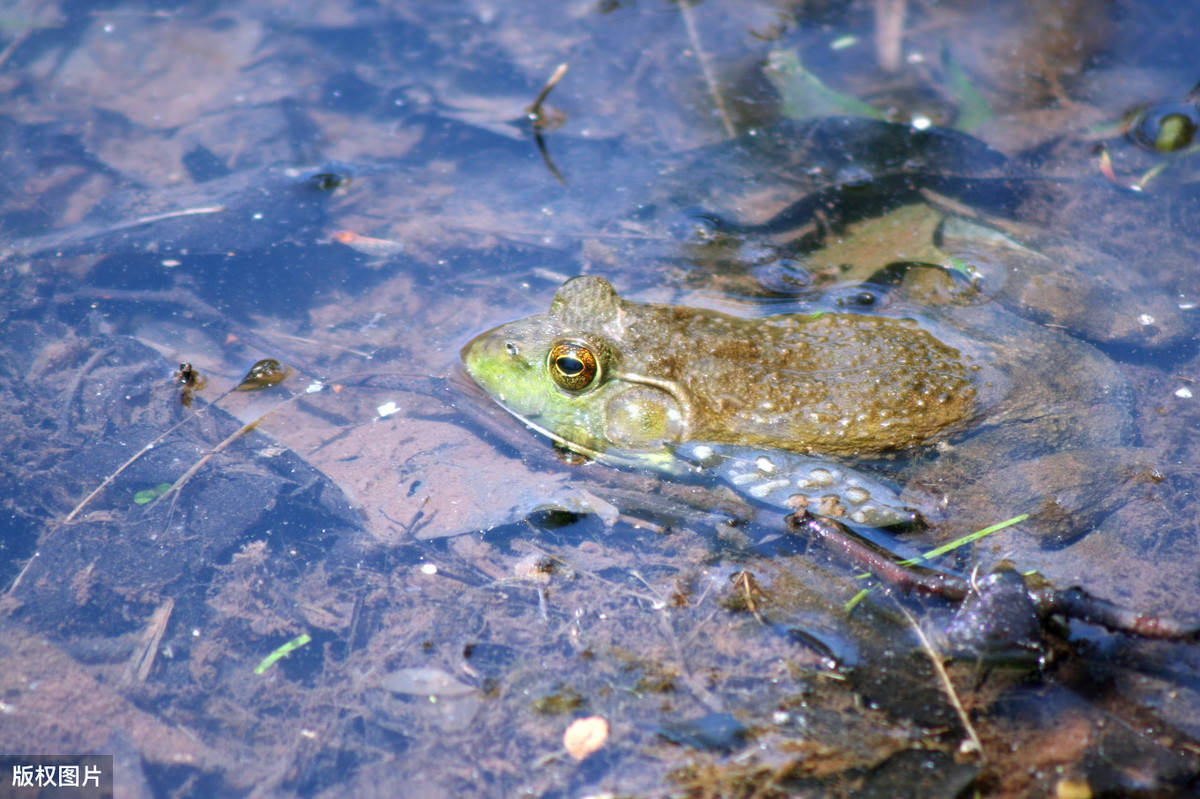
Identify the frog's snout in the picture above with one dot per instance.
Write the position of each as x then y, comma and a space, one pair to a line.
480, 350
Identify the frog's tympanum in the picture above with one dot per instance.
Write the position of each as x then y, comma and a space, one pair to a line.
797, 409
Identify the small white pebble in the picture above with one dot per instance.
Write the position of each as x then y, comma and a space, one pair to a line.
585, 736
1183, 392
1145, 320
387, 409
428, 568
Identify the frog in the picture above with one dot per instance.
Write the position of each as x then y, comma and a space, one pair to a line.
886, 415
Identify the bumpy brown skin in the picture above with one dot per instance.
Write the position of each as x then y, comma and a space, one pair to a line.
828, 383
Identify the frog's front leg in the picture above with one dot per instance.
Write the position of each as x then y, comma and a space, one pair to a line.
794, 482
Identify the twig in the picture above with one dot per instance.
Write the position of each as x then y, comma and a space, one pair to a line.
540, 141
542, 121
889, 30
743, 579
973, 744
248, 427
710, 78
131, 460
139, 667
83, 503
149, 220
16, 42
535, 110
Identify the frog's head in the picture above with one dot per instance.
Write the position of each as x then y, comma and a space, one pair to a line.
560, 373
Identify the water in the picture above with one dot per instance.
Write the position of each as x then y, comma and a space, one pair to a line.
355, 190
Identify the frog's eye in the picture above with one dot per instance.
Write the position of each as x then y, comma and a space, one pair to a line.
573, 365
1166, 128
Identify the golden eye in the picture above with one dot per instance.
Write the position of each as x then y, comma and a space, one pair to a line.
572, 365
1166, 128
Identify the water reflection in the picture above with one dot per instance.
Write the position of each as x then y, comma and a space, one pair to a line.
159, 208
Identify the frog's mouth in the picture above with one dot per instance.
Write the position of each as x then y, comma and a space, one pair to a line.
660, 459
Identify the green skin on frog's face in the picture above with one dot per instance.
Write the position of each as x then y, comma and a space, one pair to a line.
628, 382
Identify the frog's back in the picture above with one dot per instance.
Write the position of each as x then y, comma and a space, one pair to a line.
826, 383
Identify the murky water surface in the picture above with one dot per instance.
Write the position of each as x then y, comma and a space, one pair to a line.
357, 189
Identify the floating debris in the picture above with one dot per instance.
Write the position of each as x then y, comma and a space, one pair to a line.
191, 380
148, 495
376, 248
291, 646
264, 374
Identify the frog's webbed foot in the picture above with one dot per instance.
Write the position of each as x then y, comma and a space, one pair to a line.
998, 619
1003, 616
1000, 614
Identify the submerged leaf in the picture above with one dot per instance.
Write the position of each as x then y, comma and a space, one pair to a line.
973, 108
804, 95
